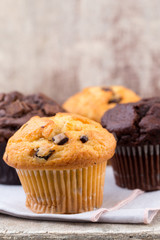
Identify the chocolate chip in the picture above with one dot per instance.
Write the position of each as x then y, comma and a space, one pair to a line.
115, 99
84, 139
106, 89
45, 156
26, 107
15, 108
60, 139
49, 109
63, 141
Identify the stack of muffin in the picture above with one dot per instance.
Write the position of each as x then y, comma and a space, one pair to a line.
61, 153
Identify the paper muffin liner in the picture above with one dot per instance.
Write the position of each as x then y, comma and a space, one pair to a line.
64, 191
137, 167
8, 174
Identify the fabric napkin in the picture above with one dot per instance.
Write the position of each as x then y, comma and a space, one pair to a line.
119, 205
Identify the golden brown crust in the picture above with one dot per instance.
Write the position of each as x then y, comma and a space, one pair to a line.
93, 102
34, 140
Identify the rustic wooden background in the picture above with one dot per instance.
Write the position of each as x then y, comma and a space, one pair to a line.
60, 46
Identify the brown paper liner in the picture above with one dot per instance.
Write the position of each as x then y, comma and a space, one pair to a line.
64, 191
137, 167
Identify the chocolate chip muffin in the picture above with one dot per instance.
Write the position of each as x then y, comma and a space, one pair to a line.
61, 162
15, 110
93, 102
137, 127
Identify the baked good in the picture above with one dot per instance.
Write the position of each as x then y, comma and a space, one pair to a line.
15, 110
137, 128
61, 162
93, 102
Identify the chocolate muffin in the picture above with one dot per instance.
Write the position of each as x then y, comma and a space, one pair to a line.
15, 110
136, 163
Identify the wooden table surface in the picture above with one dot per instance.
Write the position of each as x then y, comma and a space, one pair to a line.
16, 228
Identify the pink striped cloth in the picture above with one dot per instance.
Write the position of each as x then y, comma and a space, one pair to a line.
119, 205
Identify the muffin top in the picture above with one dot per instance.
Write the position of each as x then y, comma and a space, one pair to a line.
65, 141
92, 102
135, 123
16, 109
